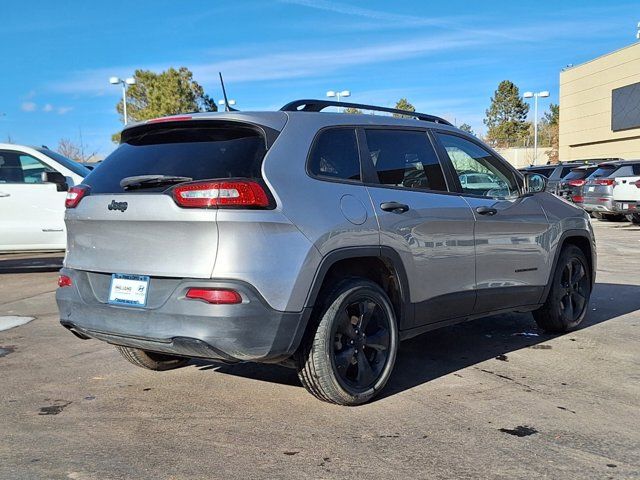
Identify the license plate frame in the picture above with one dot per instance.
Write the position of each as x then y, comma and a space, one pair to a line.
130, 290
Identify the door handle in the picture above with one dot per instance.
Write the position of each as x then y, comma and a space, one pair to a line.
394, 207
483, 210
2, 194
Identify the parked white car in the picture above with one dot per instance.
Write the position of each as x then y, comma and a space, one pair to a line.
33, 187
626, 192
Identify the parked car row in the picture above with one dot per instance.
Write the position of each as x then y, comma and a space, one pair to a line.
608, 189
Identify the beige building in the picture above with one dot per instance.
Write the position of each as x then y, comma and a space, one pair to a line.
600, 107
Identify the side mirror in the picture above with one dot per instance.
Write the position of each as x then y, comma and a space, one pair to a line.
57, 178
534, 183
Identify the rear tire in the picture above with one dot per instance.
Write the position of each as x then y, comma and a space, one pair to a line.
634, 218
613, 217
151, 360
568, 299
348, 358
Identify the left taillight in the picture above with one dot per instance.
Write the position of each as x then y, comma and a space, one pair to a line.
64, 281
231, 193
576, 183
74, 195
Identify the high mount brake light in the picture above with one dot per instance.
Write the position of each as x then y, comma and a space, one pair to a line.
233, 193
180, 118
74, 195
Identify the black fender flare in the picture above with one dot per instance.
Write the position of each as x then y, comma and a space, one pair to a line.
405, 316
561, 242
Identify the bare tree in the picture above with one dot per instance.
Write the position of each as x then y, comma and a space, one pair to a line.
73, 151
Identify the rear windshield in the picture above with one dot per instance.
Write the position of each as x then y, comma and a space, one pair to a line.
579, 173
200, 153
614, 171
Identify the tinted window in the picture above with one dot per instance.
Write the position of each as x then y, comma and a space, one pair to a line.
335, 155
603, 172
16, 167
405, 159
627, 171
546, 171
579, 173
200, 153
497, 180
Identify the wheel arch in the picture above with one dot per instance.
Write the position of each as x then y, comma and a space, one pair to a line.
584, 241
382, 265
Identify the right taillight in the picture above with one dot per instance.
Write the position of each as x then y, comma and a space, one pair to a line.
74, 195
224, 193
637, 183
576, 183
605, 181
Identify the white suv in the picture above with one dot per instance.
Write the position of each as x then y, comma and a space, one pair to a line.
626, 193
33, 187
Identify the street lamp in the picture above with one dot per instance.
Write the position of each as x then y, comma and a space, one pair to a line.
338, 95
124, 83
543, 94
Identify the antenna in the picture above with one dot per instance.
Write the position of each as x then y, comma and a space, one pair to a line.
227, 108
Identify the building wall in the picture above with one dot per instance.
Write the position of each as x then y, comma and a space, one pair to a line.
523, 157
585, 107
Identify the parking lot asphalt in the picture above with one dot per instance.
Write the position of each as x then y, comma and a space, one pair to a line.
491, 398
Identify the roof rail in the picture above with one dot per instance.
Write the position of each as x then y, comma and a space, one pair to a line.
319, 105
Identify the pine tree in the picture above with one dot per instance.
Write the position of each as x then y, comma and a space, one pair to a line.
506, 116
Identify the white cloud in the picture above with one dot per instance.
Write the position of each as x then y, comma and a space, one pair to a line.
63, 110
28, 106
47, 108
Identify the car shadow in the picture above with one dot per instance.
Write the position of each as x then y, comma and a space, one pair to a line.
449, 349
12, 263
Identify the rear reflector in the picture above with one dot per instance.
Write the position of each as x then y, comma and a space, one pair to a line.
576, 183
74, 195
64, 281
235, 193
215, 296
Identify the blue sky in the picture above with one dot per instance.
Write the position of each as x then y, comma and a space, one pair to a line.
446, 57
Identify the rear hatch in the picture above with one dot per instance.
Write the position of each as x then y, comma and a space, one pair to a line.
627, 187
148, 208
599, 185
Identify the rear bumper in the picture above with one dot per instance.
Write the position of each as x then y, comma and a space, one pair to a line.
249, 331
624, 206
597, 204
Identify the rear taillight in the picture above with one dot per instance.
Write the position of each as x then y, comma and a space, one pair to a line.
576, 183
64, 281
74, 195
637, 183
215, 296
233, 193
605, 181
578, 198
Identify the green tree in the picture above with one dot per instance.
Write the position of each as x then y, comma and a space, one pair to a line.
506, 116
352, 110
403, 104
549, 132
165, 93
465, 127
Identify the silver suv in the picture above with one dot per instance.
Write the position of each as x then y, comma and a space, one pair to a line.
313, 239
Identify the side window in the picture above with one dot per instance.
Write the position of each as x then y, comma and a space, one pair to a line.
480, 172
335, 155
16, 167
405, 158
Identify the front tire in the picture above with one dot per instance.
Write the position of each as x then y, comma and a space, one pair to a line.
151, 360
568, 298
349, 357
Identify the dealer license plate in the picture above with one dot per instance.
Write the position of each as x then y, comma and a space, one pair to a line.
130, 290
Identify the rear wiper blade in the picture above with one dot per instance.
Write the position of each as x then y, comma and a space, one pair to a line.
147, 181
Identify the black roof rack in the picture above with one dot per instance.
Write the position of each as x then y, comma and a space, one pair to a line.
319, 105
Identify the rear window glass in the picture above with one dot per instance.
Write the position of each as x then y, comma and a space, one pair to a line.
627, 171
603, 172
335, 155
200, 153
579, 173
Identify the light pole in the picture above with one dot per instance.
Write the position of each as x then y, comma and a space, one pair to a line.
124, 83
338, 95
543, 94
